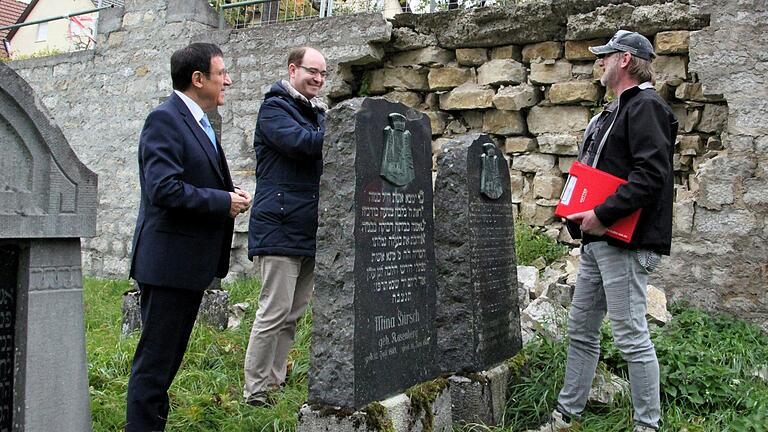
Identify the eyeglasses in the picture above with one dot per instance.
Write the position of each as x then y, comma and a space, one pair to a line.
315, 72
223, 72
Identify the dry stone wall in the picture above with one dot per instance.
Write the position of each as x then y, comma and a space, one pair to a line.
522, 74
100, 99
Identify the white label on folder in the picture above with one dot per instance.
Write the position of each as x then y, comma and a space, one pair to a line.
565, 197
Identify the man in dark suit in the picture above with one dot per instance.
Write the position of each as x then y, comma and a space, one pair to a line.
184, 228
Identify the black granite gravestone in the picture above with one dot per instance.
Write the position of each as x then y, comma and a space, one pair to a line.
47, 203
374, 307
9, 268
478, 318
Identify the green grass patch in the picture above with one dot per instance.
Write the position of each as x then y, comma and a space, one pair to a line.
532, 243
707, 384
207, 392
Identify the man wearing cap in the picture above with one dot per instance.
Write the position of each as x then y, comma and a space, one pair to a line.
633, 138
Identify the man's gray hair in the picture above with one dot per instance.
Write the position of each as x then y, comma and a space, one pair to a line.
641, 70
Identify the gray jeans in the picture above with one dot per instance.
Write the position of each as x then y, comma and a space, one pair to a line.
612, 279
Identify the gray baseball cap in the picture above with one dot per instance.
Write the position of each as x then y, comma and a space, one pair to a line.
626, 41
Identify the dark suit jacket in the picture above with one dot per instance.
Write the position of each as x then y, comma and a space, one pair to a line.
183, 232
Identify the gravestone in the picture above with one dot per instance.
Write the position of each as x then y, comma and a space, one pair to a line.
373, 315
47, 203
478, 319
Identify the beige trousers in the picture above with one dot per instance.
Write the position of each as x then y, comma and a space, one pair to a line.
286, 287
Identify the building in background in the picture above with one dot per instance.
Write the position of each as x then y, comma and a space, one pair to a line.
73, 33
10, 11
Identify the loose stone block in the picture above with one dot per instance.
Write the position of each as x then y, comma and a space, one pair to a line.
506, 52
547, 186
471, 56
549, 50
48, 202
536, 214
399, 77
672, 70
691, 142
557, 119
503, 122
559, 144
515, 98
688, 116
478, 315
495, 72
467, 96
579, 50
545, 73
714, 118
480, 399
519, 144
446, 78
534, 162
427, 56
373, 329
411, 99
404, 39
437, 121
570, 92
672, 42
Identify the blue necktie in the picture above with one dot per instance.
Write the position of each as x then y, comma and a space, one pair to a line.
209, 130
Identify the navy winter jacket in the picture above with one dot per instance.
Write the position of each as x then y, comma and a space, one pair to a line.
288, 143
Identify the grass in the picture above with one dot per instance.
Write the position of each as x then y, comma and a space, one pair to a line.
531, 243
207, 391
707, 365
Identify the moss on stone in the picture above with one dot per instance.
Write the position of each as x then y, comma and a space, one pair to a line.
517, 366
377, 418
422, 397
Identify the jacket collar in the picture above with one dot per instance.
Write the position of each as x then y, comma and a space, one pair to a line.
315, 102
197, 131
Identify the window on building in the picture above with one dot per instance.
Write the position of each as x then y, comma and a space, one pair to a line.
42, 32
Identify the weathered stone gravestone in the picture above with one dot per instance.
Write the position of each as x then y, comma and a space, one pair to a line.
374, 309
47, 202
478, 319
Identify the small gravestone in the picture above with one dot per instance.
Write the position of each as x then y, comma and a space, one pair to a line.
478, 320
373, 316
47, 203
213, 311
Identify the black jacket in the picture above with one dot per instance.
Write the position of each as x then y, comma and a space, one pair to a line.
638, 149
183, 231
288, 143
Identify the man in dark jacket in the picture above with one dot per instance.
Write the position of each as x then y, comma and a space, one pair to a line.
632, 139
184, 227
288, 144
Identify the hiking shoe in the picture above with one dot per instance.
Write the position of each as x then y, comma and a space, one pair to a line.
557, 423
641, 428
259, 399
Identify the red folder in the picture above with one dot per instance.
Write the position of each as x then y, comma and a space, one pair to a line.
589, 187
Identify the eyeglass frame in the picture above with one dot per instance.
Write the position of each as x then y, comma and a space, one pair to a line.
314, 72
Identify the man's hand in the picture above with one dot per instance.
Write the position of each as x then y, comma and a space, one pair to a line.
589, 222
240, 202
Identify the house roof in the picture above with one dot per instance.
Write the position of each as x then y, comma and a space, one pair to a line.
10, 12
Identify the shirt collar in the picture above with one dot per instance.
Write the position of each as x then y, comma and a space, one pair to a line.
194, 108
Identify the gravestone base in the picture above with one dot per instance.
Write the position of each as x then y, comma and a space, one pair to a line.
214, 310
480, 397
398, 412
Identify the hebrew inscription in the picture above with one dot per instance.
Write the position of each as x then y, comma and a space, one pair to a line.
394, 259
9, 262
